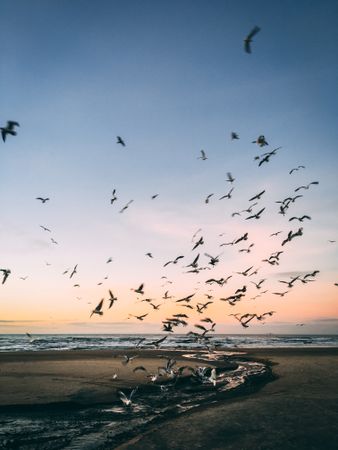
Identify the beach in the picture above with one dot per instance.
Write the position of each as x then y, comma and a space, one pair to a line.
297, 407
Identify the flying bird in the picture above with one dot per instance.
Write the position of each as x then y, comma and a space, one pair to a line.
112, 299
43, 199
120, 141
9, 129
113, 197
234, 135
6, 273
230, 178
261, 141
127, 401
248, 39
208, 198
203, 156
257, 196
126, 206
296, 168
74, 271
45, 228
98, 308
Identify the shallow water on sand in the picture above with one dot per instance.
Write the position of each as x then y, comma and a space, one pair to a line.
101, 427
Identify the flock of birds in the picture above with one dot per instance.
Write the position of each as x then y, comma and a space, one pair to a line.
254, 211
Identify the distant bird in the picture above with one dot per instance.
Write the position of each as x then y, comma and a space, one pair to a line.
245, 272
9, 129
230, 178
248, 39
296, 168
208, 198
30, 337
128, 359
292, 235
197, 243
109, 260
127, 401
139, 290
120, 141
228, 195
175, 261
307, 186
126, 206
43, 199
255, 216
259, 284
194, 263
113, 197
112, 299
234, 136
257, 196
53, 241
6, 273
213, 259
149, 254
281, 294
203, 156
276, 234
45, 228
141, 317
157, 342
261, 141
154, 196
74, 271
300, 219
24, 278
266, 156
98, 308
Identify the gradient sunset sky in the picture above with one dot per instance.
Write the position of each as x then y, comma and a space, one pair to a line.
171, 78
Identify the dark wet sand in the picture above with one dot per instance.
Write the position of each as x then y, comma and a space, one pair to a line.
299, 410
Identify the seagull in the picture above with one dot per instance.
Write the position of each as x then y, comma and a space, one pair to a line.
296, 168
228, 195
158, 341
281, 294
260, 141
126, 206
208, 198
139, 290
120, 141
149, 254
248, 39
199, 242
266, 156
257, 197
307, 186
230, 179
109, 260
255, 216
98, 308
203, 156
300, 219
213, 259
127, 359
154, 196
9, 129
194, 263
74, 271
245, 272
24, 278
30, 337
291, 235
53, 241
124, 399
43, 199
6, 273
175, 261
45, 228
234, 135
113, 197
276, 234
111, 299
141, 318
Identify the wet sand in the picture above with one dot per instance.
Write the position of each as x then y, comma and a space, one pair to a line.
298, 410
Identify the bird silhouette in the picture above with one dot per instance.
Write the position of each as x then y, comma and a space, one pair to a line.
120, 141
9, 129
248, 39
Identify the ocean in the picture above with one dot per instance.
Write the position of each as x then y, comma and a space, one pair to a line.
57, 342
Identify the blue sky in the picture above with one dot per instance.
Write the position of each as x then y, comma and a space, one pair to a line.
171, 78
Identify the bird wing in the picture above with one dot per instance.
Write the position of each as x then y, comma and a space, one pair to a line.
253, 32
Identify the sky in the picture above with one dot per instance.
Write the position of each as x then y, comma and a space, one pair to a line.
170, 78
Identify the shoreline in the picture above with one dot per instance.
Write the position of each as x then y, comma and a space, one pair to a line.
69, 382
